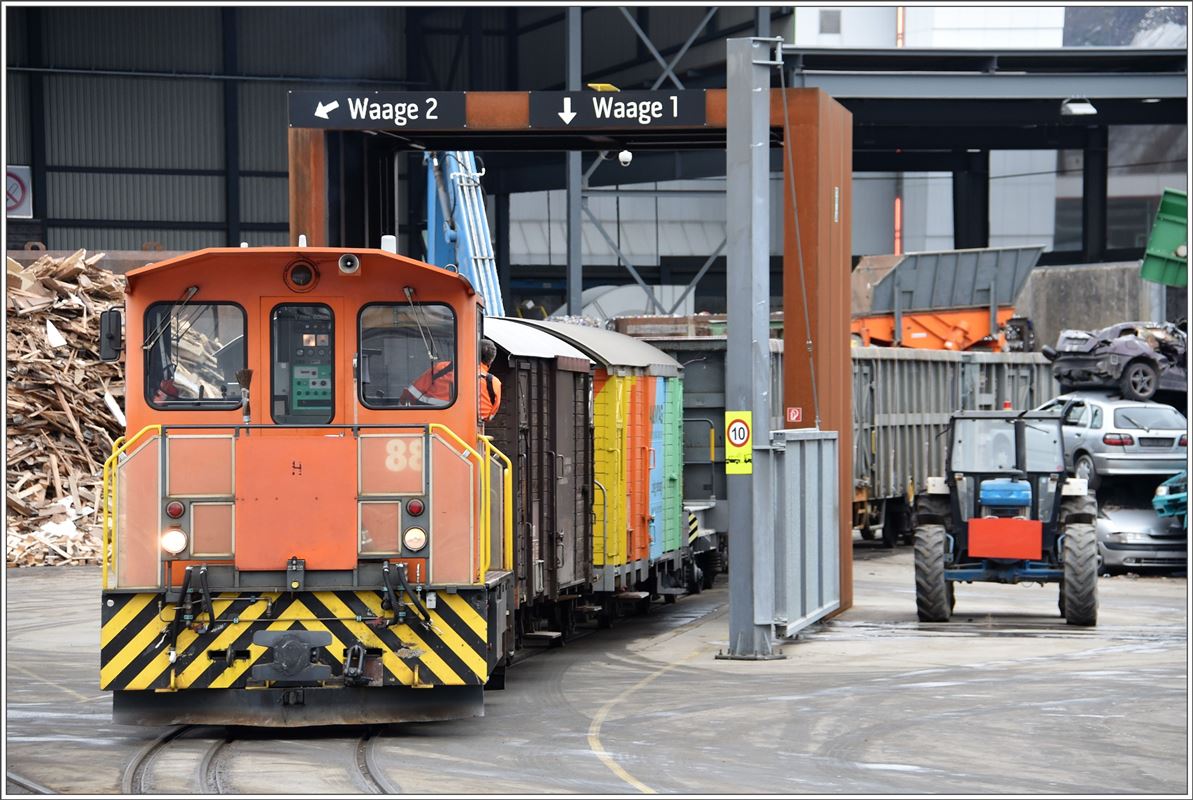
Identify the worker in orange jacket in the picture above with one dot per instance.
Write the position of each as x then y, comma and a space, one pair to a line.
489, 385
435, 387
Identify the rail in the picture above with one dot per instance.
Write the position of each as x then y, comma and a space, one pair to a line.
108, 498
507, 495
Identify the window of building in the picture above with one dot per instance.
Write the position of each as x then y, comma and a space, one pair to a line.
192, 354
302, 375
830, 20
408, 355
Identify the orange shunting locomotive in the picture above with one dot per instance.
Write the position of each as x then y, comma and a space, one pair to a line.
294, 533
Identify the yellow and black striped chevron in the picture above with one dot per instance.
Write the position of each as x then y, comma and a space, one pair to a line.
136, 645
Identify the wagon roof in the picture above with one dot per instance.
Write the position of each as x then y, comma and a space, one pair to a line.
527, 341
612, 349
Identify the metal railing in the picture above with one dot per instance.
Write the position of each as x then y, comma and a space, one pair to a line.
108, 498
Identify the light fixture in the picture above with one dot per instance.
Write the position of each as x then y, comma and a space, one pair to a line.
173, 540
1077, 107
1150, 100
415, 539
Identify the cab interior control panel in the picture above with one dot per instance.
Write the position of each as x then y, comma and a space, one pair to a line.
303, 364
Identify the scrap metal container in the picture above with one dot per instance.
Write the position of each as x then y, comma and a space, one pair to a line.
544, 424
902, 399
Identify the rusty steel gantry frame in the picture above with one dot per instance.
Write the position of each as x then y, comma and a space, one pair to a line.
819, 165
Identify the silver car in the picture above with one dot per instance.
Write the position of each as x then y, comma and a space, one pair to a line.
1107, 436
1131, 536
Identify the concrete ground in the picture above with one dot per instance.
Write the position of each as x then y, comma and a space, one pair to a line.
1005, 699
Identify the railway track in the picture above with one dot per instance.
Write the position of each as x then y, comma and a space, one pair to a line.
215, 767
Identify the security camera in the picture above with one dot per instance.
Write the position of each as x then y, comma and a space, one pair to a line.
349, 264
625, 157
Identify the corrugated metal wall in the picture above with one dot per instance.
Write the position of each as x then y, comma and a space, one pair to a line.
134, 97
17, 101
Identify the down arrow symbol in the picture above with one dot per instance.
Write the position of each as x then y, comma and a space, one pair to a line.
567, 115
322, 110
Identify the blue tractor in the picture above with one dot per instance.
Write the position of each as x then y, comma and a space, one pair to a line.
1006, 512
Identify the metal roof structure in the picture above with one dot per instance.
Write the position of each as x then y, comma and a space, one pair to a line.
528, 341
611, 349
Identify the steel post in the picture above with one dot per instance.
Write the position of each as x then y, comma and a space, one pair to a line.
575, 274
747, 376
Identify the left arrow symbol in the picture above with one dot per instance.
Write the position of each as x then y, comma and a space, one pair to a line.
322, 110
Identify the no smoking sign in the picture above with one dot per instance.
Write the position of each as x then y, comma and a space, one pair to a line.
18, 200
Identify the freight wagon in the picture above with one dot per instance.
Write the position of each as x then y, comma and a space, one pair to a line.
902, 400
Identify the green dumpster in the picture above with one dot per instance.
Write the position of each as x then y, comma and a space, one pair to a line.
1166, 259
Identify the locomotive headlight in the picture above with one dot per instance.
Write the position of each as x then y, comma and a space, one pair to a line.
415, 539
173, 540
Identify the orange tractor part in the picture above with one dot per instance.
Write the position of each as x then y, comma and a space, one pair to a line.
960, 329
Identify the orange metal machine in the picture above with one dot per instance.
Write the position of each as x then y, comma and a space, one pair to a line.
945, 300
293, 534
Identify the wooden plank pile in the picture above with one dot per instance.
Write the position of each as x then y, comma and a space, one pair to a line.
63, 408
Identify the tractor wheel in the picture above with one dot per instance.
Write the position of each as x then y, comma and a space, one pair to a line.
931, 589
1080, 585
1078, 504
1083, 467
1139, 381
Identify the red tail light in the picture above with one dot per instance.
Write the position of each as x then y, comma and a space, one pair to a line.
174, 509
414, 508
1118, 439
1184, 440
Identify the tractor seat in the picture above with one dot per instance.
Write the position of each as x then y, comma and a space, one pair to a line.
1005, 493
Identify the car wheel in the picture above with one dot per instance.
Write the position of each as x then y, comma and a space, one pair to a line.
1083, 467
1139, 381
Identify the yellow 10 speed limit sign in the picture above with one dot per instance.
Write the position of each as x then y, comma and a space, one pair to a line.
739, 444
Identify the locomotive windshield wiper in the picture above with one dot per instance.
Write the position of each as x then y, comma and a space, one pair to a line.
157, 332
423, 330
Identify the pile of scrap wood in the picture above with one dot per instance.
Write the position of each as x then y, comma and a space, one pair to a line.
64, 408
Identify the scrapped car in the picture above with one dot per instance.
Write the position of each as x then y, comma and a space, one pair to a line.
1172, 498
1107, 436
1132, 536
1137, 358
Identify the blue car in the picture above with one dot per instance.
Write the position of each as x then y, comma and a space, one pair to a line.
1171, 499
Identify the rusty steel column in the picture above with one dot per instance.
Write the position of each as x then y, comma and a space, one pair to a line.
307, 151
822, 138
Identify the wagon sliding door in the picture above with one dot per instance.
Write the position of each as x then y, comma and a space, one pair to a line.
572, 499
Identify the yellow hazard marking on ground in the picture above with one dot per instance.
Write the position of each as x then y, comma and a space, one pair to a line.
466, 612
42, 679
369, 637
594, 730
124, 616
463, 651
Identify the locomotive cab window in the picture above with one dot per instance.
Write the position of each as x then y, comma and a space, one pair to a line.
192, 354
407, 355
302, 374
